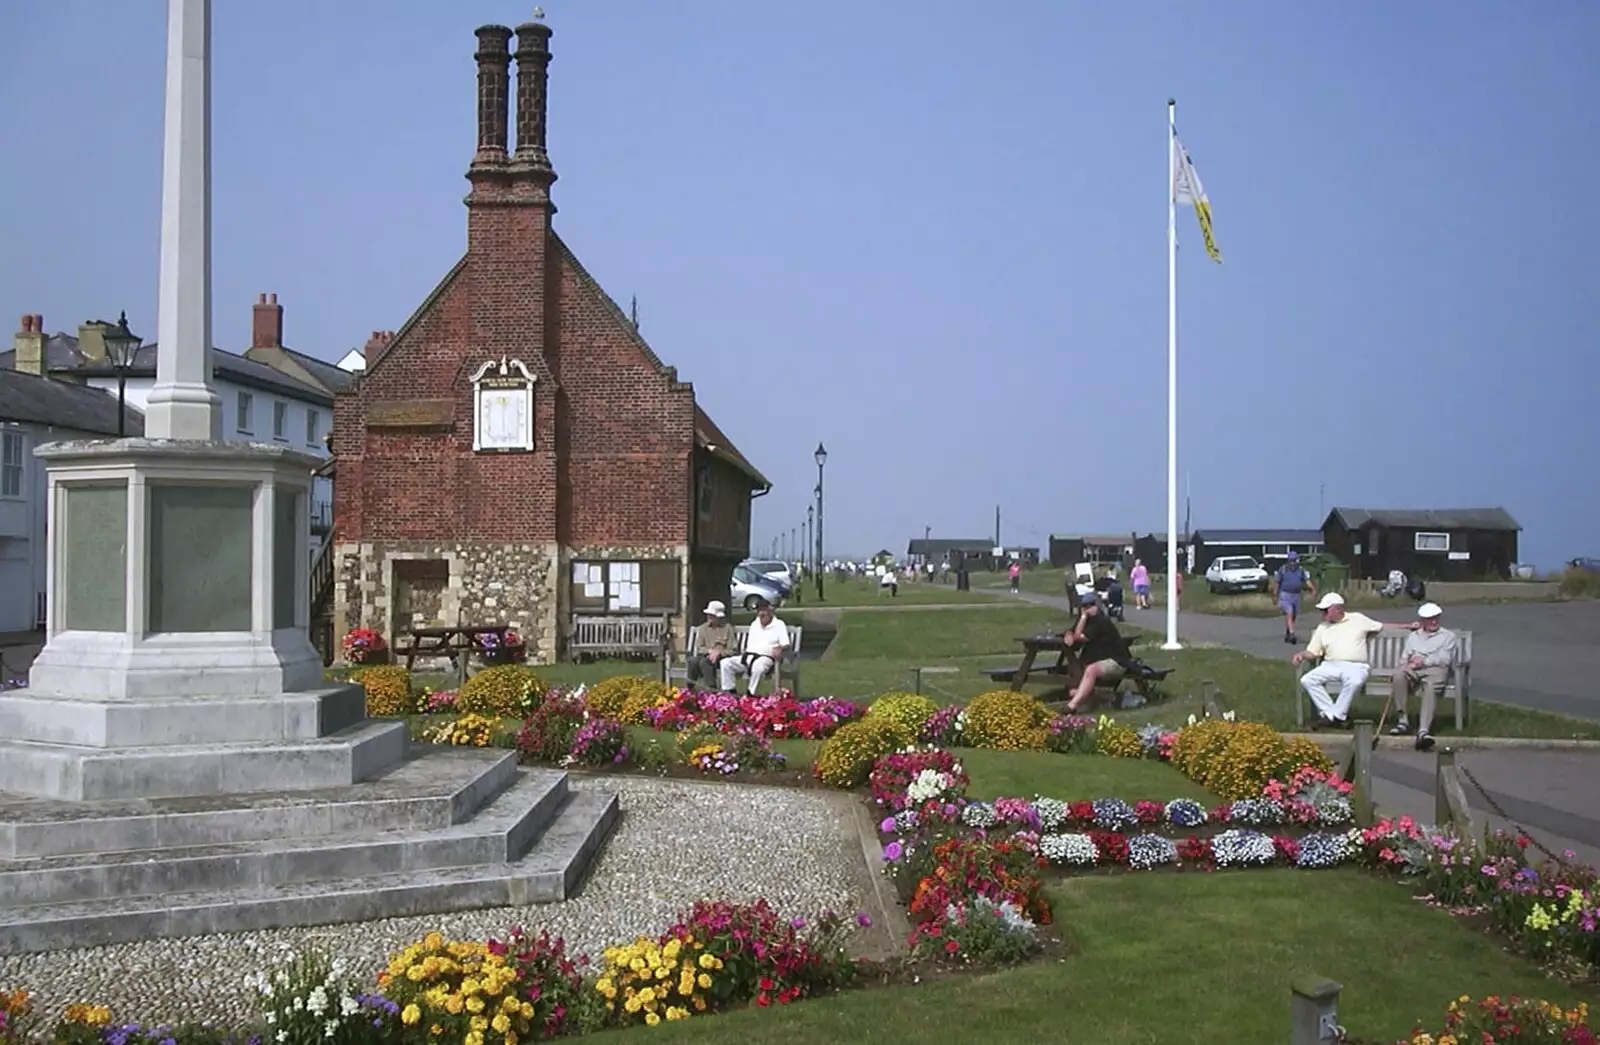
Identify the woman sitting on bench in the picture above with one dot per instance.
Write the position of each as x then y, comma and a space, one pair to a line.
1105, 653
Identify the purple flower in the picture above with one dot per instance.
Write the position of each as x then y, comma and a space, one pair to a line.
887, 826
863, 919
797, 923
893, 851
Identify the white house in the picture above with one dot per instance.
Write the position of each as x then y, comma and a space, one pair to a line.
35, 410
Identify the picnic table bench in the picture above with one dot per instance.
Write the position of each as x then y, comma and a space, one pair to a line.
456, 643
601, 635
1068, 666
675, 665
1384, 655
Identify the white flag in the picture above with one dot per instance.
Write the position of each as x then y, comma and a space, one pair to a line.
1186, 190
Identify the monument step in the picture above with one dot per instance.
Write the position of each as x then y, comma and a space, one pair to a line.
28, 714
548, 872
86, 774
434, 787
499, 834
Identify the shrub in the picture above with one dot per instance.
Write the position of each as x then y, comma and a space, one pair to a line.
1582, 584
1237, 759
599, 742
504, 690
388, 690
1008, 721
1197, 746
909, 711
893, 775
436, 982
626, 697
547, 732
845, 759
1117, 739
466, 731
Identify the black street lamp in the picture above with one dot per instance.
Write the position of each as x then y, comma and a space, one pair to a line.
122, 345
811, 529
822, 458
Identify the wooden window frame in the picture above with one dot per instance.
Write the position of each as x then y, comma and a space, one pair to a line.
1417, 545
653, 575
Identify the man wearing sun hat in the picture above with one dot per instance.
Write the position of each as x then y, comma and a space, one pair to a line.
1340, 643
1425, 661
716, 639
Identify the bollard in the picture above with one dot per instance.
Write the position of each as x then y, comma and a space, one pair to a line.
1361, 772
1314, 1011
1444, 767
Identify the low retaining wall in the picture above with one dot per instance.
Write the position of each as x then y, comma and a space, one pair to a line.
1465, 591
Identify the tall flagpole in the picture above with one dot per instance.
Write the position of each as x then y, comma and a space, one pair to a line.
1172, 380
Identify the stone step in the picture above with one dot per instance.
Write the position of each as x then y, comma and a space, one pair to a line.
433, 788
548, 872
498, 834
85, 774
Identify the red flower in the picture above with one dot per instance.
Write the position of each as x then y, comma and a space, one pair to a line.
763, 1000
766, 983
951, 947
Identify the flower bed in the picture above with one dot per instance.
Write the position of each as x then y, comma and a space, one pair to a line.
1508, 1021
777, 716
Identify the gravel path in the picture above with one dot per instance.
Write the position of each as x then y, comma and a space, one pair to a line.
677, 841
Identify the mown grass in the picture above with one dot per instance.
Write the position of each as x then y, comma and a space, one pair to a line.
859, 591
1177, 959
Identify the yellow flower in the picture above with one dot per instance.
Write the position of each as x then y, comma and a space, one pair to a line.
650, 1019
410, 1014
474, 1004
676, 1013
706, 960
433, 941
704, 981
473, 1038
527, 1008
500, 1023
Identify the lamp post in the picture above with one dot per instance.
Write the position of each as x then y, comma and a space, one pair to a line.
811, 529
821, 457
122, 345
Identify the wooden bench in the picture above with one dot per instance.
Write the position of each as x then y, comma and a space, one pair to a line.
618, 636
1384, 655
785, 673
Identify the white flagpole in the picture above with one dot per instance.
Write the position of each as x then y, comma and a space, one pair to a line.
1172, 642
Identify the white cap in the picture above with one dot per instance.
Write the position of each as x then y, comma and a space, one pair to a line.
1429, 610
716, 609
1333, 598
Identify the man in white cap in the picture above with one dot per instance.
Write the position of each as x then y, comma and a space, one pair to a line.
716, 639
1340, 642
1429, 652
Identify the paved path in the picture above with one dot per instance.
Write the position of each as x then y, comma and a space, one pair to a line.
1536, 655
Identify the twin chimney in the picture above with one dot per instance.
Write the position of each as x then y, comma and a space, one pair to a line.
28, 345
266, 322
527, 156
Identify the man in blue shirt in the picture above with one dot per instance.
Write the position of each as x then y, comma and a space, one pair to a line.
1288, 584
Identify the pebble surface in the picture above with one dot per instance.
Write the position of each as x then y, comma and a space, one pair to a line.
676, 842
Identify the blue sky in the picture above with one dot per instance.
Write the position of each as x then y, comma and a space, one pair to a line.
929, 234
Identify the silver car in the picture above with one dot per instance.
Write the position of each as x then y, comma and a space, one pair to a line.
779, 571
749, 585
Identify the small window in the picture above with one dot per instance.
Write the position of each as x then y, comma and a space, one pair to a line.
11, 464
1433, 542
245, 402
313, 427
280, 420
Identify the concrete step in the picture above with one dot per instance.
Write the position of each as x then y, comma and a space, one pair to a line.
83, 774
500, 833
434, 787
548, 872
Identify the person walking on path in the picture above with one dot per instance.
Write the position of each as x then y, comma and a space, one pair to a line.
1429, 653
1287, 585
1139, 577
1340, 642
1016, 576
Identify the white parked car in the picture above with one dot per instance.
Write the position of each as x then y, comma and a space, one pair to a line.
1235, 573
779, 571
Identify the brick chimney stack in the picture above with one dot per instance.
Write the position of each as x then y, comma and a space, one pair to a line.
533, 90
494, 94
266, 322
29, 345
376, 345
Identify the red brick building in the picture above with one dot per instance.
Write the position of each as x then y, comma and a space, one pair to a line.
516, 453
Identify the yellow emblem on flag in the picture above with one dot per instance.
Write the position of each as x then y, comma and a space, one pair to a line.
1186, 190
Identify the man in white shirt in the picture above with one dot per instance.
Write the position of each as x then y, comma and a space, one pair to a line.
1429, 653
765, 645
1340, 642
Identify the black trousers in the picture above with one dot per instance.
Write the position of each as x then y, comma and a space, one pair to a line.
702, 672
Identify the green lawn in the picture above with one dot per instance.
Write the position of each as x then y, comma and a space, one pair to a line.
862, 592
1173, 959
1024, 774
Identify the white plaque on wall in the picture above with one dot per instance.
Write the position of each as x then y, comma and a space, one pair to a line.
502, 406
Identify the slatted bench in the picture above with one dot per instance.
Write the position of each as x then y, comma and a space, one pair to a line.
1384, 654
618, 636
785, 673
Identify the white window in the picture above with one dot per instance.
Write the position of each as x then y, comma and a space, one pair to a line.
502, 406
313, 427
11, 464
280, 420
244, 404
1433, 542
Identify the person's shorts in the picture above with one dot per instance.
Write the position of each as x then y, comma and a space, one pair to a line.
1141, 589
1289, 602
1110, 669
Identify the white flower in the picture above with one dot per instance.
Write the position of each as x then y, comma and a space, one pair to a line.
1074, 850
283, 1036
1227, 716
348, 1006
330, 1028
297, 1004
270, 1016
1192, 719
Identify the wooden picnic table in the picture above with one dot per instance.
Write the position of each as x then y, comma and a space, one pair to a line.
1069, 663
456, 642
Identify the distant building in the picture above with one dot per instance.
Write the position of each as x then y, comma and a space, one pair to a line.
1445, 544
977, 551
1268, 547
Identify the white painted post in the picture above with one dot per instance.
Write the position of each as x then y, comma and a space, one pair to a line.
1314, 1011
182, 404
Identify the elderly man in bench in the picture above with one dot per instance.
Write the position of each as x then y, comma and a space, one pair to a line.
1429, 653
1340, 642
765, 644
717, 637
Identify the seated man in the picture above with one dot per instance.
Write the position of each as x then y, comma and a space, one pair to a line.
764, 646
1340, 642
1104, 651
716, 639
1425, 661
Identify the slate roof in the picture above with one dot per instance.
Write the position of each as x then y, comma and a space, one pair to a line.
1259, 536
1426, 518
61, 353
334, 377
32, 399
